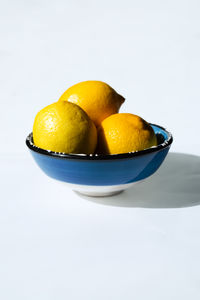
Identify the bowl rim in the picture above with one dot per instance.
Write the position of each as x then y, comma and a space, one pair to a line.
61, 155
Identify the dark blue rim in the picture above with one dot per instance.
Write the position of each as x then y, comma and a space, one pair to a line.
165, 144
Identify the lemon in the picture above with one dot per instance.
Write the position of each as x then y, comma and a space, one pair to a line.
96, 98
124, 132
64, 127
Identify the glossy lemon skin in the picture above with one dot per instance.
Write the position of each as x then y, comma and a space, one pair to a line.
96, 98
123, 133
64, 127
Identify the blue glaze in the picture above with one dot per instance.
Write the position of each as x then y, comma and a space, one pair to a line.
104, 172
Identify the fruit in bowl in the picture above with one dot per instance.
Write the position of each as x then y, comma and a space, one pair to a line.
122, 133
96, 154
97, 98
64, 127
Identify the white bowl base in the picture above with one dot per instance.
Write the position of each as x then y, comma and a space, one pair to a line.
101, 191
98, 194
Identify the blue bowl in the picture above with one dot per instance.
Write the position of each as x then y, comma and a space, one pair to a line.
103, 175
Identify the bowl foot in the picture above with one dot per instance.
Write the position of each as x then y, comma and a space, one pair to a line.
98, 194
101, 190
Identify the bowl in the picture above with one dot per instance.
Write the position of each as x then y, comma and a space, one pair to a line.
102, 175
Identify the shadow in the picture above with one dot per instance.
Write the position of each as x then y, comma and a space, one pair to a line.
176, 184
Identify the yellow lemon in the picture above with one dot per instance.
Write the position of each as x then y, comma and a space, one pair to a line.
64, 127
96, 98
124, 132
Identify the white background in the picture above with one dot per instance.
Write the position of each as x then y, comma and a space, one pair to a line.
144, 243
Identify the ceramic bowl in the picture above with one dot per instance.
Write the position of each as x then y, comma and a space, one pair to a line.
103, 175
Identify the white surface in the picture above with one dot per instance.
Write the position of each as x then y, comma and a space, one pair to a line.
143, 244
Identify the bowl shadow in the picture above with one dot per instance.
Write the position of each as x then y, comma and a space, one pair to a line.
176, 184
